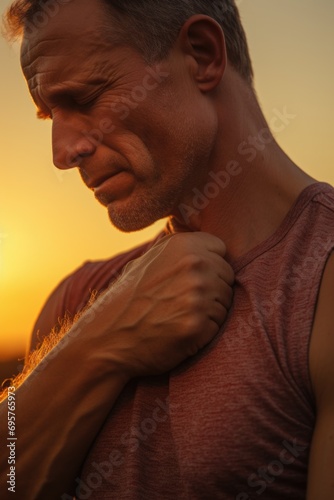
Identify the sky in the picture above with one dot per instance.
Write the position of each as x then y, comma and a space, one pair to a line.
50, 222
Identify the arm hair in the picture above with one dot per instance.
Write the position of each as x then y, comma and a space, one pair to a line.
34, 357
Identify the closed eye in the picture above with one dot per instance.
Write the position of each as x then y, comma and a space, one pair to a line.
68, 101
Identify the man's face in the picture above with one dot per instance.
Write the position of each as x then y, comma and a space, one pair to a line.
141, 137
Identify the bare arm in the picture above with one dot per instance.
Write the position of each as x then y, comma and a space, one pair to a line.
59, 409
166, 306
321, 467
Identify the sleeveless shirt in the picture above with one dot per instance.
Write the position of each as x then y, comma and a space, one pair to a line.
236, 421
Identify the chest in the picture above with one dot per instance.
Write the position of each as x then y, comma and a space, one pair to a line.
206, 429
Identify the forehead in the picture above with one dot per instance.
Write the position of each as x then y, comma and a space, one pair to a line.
77, 30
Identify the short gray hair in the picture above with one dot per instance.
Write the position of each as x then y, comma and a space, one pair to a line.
152, 26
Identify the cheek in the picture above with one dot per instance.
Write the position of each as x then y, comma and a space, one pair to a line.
157, 137
124, 103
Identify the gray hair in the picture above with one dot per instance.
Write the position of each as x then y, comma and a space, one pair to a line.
152, 26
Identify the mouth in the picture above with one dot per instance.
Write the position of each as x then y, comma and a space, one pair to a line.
94, 183
115, 186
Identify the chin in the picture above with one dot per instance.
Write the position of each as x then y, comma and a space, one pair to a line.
131, 221
138, 212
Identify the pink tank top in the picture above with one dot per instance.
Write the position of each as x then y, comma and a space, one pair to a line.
236, 421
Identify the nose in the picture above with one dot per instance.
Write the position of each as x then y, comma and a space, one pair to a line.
70, 143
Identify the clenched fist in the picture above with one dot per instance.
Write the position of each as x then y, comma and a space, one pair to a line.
167, 304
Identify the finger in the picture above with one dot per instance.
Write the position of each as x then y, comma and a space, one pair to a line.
218, 313
225, 297
211, 242
226, 273
222, 268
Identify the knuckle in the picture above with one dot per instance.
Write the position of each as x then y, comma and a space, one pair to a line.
191, 261
223, 247
193, 300
191, 326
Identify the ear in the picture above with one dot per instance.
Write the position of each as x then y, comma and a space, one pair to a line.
202, 40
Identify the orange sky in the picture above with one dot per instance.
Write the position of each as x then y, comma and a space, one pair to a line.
50, 223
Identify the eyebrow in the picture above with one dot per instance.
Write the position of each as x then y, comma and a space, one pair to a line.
70, 88
71, 91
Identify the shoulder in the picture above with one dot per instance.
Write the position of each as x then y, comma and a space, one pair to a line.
320, 482
318, 203
74, 292
322, 339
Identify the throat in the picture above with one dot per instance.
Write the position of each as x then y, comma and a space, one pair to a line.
245, 214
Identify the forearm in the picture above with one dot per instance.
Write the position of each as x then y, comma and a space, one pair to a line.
136, 328
59, 410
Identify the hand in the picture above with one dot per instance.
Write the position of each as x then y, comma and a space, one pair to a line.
167, 305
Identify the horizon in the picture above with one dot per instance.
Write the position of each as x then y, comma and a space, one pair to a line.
50, 223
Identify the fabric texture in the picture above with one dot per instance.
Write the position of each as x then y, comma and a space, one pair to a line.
236, 421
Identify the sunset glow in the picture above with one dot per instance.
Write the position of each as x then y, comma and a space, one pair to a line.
50, 223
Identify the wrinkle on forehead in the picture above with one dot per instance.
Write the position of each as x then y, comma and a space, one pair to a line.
34, 51
67, 54
54, 69
78, 28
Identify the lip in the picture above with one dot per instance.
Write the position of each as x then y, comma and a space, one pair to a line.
99, 181
105, 182
114, 186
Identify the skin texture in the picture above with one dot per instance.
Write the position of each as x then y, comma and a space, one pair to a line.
165, 147
321, 483
157, 146
136, 328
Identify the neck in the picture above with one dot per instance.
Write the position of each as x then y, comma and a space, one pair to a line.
250, 184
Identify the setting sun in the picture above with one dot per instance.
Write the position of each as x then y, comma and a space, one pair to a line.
50, 223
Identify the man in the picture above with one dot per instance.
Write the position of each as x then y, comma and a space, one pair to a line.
116, 409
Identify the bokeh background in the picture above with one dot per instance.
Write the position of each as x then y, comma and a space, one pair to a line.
50, 223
